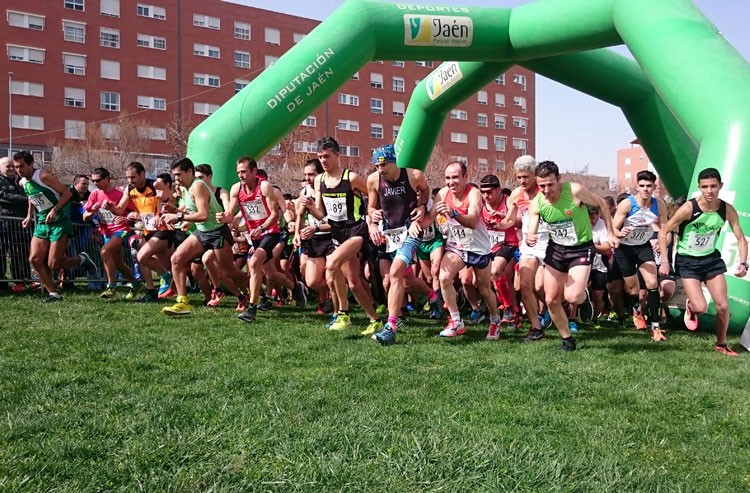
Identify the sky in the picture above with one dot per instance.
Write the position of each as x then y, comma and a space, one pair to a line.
596, 130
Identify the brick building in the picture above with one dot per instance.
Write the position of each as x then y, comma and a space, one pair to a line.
76, 65
630, 161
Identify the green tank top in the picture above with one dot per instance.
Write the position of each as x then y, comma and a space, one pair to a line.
568, 223
211, 223
43, 198
698, 235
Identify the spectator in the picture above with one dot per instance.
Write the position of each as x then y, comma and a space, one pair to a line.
14, 240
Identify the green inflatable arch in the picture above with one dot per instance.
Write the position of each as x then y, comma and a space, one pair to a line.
686, 95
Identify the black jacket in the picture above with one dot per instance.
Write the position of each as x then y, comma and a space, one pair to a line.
13, 201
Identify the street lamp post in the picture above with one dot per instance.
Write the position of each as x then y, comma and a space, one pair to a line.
10, 114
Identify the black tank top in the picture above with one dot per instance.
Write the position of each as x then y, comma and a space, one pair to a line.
343, 205
397, 200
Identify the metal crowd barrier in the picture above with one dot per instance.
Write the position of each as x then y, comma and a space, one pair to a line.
14, 253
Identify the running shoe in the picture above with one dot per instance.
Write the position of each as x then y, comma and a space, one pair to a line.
476, 317
241, 303
381, 310
437, 313
586, 309
165, 284
546, 321
299, 292
533, 335
328, 307
150, 296
691, 320
18, 287
137, 289
332, 321
573, 327
509, 316
216, 296
568, 344
108, 294
50, 298
181, 307
169, 293
724, 349
249, 314
638, 320
612, 317
343, 322
87, 263
266, 304
373, 328
494, 333
453, 329
657, 334
385, 336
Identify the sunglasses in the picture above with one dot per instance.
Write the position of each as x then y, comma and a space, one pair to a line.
100, 179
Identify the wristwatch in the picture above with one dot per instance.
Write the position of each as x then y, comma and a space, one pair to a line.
454, 214
180, 215
747, 266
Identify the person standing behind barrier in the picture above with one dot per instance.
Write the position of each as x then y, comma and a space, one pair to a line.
50, 199
13, 242
115, 230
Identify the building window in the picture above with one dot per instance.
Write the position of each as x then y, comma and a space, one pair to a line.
399, 108
150, 72
26, 21
74, 5
204, 108
152, 133
75, 32
482, 97
21, 88
25, 54
376, 106
109, 38
297, 37
75, 98
481, 120
482, 164
376, 131
398, 84
310, 121
307, 147
348, 99
500, 100
151, 103
521, 123
460, 159
348, 125
155, 42
628, 161
75, 129
500, 122
460, 138
273, 36
351, 151
482, 142
376, 80
109, 69
399, 64
500, 143
628, 176
242, 59
396, 130
144, 10
200, 20
427, 64
459, 115
520, 144
355, 76
206, 80
27, 121
109, 101
206, 50
240, 84
110, 8
270, 60
109, 131
499, 165
241, 30
74, 64
520, 80
500, 81
520, 101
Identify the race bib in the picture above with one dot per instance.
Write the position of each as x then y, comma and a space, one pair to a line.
335, 208
429, 233
701, 242
497, 238
106, 216
149, 221
563, 233
255, 210
638, 235
41, 202
394, 238
459, 236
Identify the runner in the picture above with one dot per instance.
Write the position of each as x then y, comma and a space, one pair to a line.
634, 224
115, 230
467, 245
397, 202
698, 223
51, 199
430, 253
570, 251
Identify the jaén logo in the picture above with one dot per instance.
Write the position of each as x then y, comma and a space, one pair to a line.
438, 30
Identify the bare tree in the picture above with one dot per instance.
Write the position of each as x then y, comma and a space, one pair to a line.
178, 131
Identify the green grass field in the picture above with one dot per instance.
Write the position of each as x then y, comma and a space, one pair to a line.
110, 396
